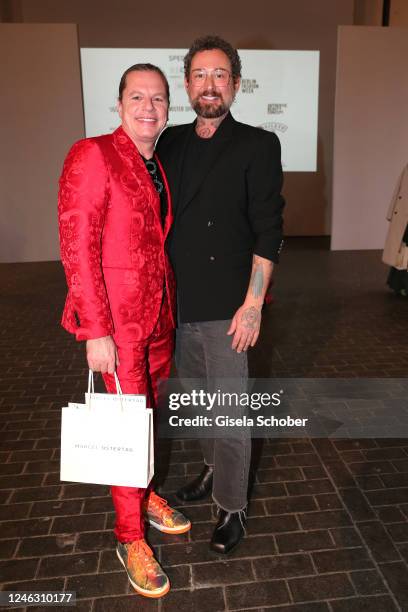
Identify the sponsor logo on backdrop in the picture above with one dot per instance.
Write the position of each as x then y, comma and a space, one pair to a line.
276, 109
180, 109
273, 126
249, 85
178, 69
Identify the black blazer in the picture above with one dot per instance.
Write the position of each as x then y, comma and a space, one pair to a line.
231, 210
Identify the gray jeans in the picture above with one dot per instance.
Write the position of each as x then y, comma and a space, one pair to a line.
203, 350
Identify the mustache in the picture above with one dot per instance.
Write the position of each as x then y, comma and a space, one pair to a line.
210, 92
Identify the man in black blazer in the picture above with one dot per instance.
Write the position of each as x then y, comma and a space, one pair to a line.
225, 178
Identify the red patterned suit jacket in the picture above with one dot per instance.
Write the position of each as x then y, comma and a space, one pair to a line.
112, 240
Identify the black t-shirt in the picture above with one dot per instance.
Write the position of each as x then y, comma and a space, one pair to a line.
198, 154
157, 178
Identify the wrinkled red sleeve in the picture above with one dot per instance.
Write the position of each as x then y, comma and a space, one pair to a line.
82, 204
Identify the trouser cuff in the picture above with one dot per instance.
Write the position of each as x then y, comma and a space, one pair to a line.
229, 509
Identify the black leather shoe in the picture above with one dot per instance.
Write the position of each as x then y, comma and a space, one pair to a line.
229, 531
199, 488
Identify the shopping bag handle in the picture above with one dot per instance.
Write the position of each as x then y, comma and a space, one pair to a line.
91, 384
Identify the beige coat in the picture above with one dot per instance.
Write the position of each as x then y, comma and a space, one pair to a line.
395, 251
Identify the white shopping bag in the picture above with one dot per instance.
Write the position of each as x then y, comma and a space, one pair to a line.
108, 440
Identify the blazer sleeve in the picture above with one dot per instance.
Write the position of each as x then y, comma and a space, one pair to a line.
82, 204
264, 184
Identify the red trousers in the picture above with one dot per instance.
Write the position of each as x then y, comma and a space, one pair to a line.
142, 365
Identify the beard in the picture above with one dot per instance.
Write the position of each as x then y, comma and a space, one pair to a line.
208, 110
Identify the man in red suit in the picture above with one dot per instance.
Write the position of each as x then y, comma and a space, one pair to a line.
114, 217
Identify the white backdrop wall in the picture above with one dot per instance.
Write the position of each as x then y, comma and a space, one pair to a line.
279, 92
370, 132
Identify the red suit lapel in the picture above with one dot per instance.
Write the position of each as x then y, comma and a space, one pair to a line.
139, 173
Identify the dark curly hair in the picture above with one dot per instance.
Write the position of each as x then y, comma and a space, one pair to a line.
143, 68
207, 43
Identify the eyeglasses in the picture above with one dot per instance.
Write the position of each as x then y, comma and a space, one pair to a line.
220, 76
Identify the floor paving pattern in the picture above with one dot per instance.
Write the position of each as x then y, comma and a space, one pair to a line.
327, 528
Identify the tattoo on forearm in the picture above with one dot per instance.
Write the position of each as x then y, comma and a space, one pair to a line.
260, 276
251, 318
257, 280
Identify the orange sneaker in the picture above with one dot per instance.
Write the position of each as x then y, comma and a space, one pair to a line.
144, 572
160, 515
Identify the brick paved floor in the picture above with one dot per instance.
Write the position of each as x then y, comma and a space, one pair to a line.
328, 526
